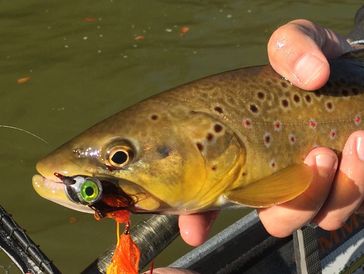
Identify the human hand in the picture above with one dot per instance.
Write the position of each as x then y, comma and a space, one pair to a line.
299, 51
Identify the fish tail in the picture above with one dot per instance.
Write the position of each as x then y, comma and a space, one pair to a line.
356, 36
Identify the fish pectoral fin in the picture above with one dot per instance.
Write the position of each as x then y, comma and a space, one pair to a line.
277, 188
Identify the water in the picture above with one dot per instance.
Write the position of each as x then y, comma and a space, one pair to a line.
89, 59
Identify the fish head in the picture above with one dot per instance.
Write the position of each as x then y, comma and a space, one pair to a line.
147, 160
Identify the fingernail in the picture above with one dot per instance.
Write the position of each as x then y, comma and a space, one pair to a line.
360, 148
307, 68
325, 164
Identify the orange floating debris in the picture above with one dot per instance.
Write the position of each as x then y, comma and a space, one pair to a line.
89, 19
183, 30
139, 37
23, 80
72, 220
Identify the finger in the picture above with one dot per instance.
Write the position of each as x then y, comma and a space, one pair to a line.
170, 270
195, 228
348, 189
282, 220
299, 50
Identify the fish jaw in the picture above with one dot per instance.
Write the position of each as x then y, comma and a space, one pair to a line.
50, 187
55, 191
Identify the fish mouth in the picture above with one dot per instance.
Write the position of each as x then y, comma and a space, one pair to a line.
117, 194
55, 191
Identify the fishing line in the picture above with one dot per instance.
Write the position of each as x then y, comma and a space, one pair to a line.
25, 131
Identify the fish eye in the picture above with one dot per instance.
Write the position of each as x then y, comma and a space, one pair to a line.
120, 156
90, 191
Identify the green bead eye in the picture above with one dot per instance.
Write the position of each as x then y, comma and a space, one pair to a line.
90, 191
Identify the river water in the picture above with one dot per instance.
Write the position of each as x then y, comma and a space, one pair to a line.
81, 61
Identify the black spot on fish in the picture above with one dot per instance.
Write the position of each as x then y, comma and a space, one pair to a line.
214, 167
284, 85
199, 146
154, 117
308, 98
285, 103
218, 128
218, 109
296, 98
329, 105
260, 95
209, 137
163, 151
253, 108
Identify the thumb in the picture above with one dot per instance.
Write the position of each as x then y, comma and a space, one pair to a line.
299, 51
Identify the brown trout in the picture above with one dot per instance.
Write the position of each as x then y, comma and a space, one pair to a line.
238, 137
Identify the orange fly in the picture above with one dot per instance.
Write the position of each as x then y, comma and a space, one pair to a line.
127, 254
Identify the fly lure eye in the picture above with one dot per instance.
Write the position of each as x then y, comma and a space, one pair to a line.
120, 156
90, 191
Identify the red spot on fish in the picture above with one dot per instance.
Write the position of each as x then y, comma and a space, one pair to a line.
357, 119
312, 123
332, 134
277, 125
247, 123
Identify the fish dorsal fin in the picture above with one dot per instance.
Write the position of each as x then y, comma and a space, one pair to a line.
277, 188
